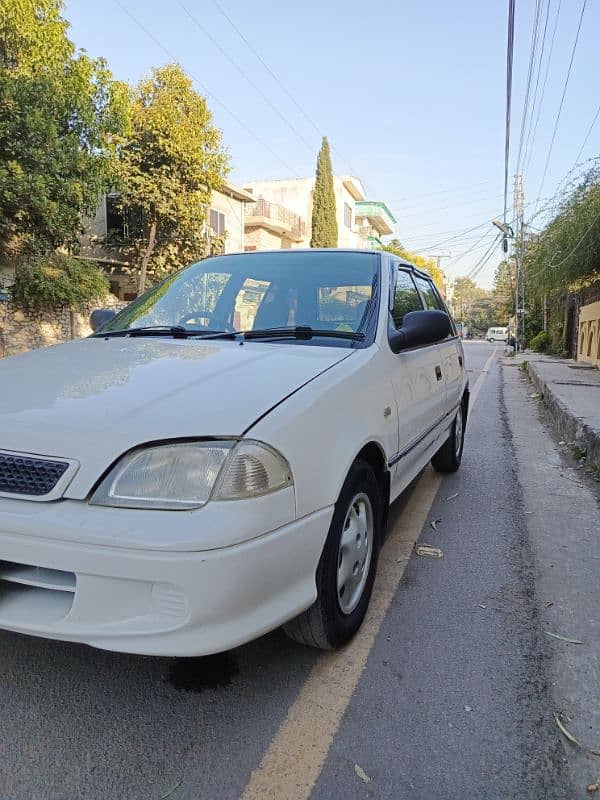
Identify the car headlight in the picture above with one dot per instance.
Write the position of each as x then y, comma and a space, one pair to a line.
187, 475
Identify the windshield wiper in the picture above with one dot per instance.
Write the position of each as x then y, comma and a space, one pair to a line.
176, 331
301, 332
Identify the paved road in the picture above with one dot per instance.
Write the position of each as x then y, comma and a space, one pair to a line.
444, 695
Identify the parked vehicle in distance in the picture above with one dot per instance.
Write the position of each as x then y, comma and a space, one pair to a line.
497, 335
218, 458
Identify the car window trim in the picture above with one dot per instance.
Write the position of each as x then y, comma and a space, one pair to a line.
444, 307
400, 267
404, 266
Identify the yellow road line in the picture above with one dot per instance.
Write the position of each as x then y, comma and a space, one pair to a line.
293, 762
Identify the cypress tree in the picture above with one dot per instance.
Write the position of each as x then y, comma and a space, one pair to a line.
324, 221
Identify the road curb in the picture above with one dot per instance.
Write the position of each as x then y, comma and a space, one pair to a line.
570, 428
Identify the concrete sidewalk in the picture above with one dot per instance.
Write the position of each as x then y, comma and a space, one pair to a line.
571, 391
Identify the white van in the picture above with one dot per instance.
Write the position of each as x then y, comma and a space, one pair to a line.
497, 335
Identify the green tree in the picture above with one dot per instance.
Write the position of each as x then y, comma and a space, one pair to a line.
61, 115
168, 169
485, 313
428, 264
504, 290
324, 219
563, 258
567, 250
466, 294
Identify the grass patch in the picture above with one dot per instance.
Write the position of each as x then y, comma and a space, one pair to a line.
578, 451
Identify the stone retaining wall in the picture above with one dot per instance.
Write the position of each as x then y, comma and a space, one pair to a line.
22, 330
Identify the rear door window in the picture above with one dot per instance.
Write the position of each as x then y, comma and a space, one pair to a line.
406, 297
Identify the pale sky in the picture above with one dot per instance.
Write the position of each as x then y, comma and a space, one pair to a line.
411, 96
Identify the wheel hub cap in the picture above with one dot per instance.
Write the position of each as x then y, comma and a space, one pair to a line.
354, 553
458, 432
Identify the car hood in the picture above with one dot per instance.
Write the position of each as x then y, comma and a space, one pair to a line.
93, 399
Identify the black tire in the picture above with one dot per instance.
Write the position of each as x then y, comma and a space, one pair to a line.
325, 624
449, 456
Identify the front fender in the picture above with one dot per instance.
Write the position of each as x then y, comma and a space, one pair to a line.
321, 428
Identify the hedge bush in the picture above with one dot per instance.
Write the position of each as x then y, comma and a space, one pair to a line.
55, 281
542, 343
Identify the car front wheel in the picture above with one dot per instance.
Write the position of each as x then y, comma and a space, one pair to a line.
348, 564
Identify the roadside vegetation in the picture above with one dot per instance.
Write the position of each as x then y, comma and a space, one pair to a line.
70, 133
562, 261
396, 247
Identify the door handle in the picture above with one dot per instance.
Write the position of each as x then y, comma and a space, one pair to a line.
438, 373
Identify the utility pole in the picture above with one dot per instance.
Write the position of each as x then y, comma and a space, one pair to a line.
519, 244
438, 257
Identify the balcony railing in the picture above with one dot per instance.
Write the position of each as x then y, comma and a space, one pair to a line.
277, 214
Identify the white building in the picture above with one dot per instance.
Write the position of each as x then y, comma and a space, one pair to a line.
281, 216
106, 233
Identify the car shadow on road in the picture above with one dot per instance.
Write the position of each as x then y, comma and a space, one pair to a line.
80, 722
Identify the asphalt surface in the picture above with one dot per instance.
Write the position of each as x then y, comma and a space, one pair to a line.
454, 702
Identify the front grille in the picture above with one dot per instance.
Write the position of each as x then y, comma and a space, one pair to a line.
28, 475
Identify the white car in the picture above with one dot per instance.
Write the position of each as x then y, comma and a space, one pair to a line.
497, 335
218, 459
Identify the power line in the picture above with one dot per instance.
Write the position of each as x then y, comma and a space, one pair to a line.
562, 99
542, 95
537, 83
401, 201
530, 73
567, 257
509, 71
484, 258
248, 80
278, 80
458, 258
452, 238
203, 88
587, 136
438, 209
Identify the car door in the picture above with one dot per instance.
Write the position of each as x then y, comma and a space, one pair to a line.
451, 350
418, 384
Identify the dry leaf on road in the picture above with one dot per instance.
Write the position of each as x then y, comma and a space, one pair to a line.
170, 791
362, 774
563, 638
428, 550
566, 733
435, 523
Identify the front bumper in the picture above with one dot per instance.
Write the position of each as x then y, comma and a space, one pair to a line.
158, 602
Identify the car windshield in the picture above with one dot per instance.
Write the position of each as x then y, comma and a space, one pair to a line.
323, 291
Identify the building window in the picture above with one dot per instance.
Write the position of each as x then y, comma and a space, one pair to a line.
347, 216
217, 222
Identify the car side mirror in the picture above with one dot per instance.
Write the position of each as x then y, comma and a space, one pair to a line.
100, 317
420, 328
